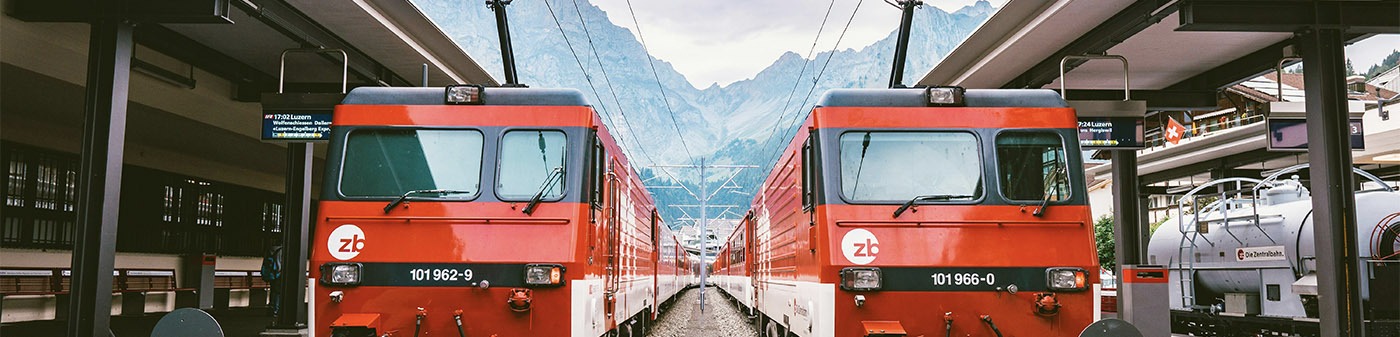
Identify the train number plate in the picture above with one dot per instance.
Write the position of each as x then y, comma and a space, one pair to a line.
962, 279
441, 274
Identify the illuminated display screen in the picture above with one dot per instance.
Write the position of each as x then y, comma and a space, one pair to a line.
1111, 132
296, 126
1291, 134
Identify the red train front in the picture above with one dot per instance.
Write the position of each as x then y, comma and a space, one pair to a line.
923, 212
472, 211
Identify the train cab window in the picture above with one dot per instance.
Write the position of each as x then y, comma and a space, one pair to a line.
532, 162
893, 167
597, 171
391, 162
1032, 166
808, 193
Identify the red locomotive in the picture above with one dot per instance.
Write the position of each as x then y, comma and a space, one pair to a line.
922, 212
471, 211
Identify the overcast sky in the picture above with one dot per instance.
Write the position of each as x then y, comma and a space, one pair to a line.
1370, 51
728, 41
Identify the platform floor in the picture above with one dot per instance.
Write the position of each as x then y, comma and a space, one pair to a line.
237, 322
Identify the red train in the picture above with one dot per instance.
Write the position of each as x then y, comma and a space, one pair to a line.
921, 212
470, 211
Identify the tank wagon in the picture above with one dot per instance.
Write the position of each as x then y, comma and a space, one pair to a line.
921, 212
1241, 257
471, 211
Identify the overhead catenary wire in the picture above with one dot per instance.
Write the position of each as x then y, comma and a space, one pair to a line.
777, 153
602, 107
782, 114
578, 10
659, 87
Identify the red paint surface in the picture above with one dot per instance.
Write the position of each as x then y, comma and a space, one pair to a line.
1130, 275
907, 118
800, 245
569, 234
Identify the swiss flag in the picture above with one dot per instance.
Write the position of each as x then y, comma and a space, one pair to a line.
1174, 130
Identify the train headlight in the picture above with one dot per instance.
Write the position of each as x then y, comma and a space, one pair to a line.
464, 94
860, 278
341, 274
540, 274
946, 96
1066, 279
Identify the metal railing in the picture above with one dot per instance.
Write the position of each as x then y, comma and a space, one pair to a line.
1156, 138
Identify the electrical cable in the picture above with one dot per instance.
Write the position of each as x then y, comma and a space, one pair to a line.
782, 114
664, 99
830, 54
578, 10
601, 106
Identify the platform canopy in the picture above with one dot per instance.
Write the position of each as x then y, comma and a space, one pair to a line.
1175, 64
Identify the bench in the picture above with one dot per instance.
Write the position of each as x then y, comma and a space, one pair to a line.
226, 281
132, 284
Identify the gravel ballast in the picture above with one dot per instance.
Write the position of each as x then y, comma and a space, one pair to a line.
721, 317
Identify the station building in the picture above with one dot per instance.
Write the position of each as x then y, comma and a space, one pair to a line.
199, 187
1238, 128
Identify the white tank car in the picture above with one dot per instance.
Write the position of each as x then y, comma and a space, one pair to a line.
1240, 266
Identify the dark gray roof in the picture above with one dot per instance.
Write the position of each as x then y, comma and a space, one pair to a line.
914, 97
490, 95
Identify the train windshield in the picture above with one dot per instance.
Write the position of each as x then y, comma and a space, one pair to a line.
390, 162
531, 162
1032, 166
897, 166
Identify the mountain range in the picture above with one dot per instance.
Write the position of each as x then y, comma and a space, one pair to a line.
575, 45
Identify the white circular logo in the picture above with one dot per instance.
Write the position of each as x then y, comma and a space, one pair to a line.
860, 246
346, 242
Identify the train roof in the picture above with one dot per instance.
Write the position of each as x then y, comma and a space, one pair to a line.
490, 95
914, 97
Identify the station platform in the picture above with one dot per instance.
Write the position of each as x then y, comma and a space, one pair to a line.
236, 322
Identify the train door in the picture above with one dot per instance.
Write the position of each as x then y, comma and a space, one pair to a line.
810, 163
612, 232
655, 266
751, 259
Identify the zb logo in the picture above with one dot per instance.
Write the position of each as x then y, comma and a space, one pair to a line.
860, 246
346, 242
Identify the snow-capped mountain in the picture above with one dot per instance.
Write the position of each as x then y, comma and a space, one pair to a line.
740, 123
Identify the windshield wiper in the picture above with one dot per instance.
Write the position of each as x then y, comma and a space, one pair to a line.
548, 182
1050, 178
931, 197
405, 196
864, 145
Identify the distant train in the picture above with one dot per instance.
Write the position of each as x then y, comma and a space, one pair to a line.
471, 211
921, 212
1242, 262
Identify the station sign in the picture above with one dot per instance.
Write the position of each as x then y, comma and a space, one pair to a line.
1111, 125
296, 126
298, 117
1288, 126
1111, 132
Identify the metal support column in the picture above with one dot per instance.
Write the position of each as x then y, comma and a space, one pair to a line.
99, 177
1127, 220
704, 233
295, 230
1333, 198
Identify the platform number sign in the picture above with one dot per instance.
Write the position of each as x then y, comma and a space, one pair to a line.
346, 242
860, 246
